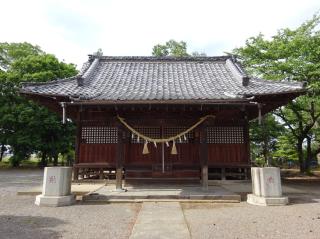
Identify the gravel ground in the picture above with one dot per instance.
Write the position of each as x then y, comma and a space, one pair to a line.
299, 220
20, 218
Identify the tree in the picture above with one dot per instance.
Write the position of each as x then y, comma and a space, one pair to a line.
291, 55
171, 48
174, 48
197, 54
264, 137
285, 148
9, 52
27, 127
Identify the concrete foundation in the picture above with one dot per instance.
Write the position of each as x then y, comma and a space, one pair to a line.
266, 187
54, 201
56, 190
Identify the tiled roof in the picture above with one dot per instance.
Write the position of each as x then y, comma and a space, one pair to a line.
161, 79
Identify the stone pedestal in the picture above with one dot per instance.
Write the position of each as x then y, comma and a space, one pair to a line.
56, 190
266, 187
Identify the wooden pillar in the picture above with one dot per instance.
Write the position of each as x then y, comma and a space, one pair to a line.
247, 141
223, 173
119, 159
77, 147
101, 176
204, 157
246, 174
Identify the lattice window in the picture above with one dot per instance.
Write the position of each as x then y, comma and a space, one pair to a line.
172, 131
99, 135
152, 132
225, 135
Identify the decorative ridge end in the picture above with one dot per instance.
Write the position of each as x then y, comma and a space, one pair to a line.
245, 80
80, 80
86, 75
304, 84
237, 71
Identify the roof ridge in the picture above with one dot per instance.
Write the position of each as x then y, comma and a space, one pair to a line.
82, 78
161, 58
237, 71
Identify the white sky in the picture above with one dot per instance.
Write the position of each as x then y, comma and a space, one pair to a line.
72, 29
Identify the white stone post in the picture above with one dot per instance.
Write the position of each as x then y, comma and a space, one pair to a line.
56, 190
266, 187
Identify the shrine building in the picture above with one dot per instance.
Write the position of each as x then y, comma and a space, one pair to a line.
162, 118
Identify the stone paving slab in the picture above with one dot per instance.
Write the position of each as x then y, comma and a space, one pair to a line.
165, 192
160, 220
78, 189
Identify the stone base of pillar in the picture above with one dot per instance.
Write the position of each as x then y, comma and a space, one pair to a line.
120, 190
55, 201
267, 201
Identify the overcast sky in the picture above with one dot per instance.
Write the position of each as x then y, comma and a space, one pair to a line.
72, 29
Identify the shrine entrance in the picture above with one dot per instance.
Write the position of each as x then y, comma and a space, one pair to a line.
161, 162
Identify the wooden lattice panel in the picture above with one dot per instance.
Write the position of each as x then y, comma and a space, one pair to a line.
99, 135
225, 135
173, 131
152, 132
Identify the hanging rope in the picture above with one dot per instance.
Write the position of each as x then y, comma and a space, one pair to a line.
163, 140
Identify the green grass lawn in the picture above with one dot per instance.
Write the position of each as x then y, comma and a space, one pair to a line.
33, 162
30, 163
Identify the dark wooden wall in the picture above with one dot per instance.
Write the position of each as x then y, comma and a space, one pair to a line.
97, 153
227, 154
222, 150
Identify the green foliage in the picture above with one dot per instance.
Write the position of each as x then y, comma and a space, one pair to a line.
174, 48
292, 55
10, 52
286, 150
264, 137
25, 126
41, 68
171, 48
196, 54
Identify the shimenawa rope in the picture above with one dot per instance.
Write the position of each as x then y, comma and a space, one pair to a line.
163, 140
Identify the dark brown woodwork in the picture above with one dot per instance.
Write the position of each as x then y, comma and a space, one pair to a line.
194, 159
227, 154
119, 159
98, 153
77, 146
204, 157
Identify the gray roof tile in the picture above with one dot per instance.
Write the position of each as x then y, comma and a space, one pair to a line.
165, 79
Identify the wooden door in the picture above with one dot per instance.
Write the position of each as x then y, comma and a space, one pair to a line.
135, 157
186, 162
160, 163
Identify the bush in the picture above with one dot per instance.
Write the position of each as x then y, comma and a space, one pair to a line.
15, 161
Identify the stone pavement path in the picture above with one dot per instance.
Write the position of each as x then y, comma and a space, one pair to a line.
160, 220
